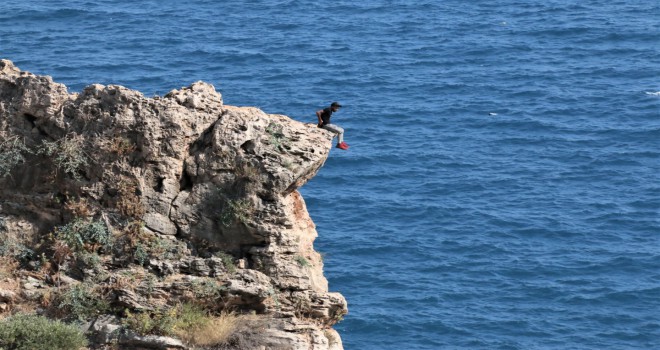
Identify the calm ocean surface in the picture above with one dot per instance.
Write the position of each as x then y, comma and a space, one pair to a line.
445, 226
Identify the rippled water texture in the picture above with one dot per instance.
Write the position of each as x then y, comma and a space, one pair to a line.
502, 189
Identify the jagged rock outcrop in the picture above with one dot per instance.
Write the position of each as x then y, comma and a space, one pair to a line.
153, 202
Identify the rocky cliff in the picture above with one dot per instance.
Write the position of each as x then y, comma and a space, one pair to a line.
122, 213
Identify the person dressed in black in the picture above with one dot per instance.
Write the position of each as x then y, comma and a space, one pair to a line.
324, 116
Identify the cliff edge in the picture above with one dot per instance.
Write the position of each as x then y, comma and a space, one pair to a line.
126, 214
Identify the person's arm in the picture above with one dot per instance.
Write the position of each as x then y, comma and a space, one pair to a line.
318, 115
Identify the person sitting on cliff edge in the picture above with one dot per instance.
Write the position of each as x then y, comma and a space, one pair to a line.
324, 116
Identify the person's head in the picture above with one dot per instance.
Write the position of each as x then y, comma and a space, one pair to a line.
335, 106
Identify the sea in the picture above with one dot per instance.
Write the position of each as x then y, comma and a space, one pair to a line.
502, 186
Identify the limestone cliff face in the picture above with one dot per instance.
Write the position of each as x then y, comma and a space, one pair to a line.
181, 191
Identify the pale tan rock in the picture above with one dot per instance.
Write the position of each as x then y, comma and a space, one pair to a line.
249, 283
159, 223
130, 340
129, 299
106, 328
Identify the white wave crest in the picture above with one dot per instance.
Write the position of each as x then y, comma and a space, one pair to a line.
650, 93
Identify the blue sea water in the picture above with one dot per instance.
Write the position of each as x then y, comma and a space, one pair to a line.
502, 190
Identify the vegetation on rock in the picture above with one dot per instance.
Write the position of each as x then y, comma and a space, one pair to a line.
84, 235
276, 136
235, 210
31, 332
82, 301
67, 153
12, 150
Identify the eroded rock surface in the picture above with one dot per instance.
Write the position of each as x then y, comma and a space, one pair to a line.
159, 201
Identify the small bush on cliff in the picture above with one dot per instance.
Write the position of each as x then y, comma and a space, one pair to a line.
159, 322
130, 244
128, 199
336, 316
133, 244
78, 208
189, 322
12, 150
12, 248
120, 145
83, 301
194, 326
67, 154
227, 260
302, 261
83, 235
206, 290
89, 260
190, 316
140, 254
236, 210
165, 248
277, 138
31, 332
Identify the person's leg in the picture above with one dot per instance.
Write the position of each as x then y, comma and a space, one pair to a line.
337, 130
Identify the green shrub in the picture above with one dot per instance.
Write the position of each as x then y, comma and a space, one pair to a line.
147, 246
83, 235
187, 321
196, 327
10, 247
82, 302
206, 289
140, 254
11, 154
155, 322
275, 296
90, 260
336, 316
166, 322
277, 138
236, 210
302, 261
31, 332
67, 154
190, 316
148, 284
164, 248
227, 260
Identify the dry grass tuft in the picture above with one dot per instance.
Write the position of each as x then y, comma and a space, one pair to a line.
193, 325
120, 145
212, 331
8, 267
128, 201
79, 208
